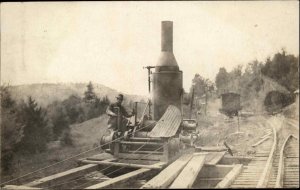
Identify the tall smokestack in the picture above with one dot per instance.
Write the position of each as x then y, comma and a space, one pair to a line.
166, 61
167, 36
167, 78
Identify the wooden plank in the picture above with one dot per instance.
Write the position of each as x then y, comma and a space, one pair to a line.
230, 177
210, 149
142, 162
214, 171
216, 158
140, 156
8, 187
146, 152
123, 164
189, 174
102, 156
120, 179
72, 173
261, 141
266, 135
165, 177
235, 160
142, 143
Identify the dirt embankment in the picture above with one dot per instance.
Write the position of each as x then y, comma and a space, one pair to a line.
215, 129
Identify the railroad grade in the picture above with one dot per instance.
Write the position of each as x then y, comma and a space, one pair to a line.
252, 175
274, 167
291, 164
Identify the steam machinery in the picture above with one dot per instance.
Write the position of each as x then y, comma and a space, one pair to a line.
163, 134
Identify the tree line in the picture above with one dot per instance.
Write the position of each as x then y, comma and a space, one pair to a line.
282, 68
26, 127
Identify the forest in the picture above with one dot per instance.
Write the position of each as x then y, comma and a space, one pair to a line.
26, 127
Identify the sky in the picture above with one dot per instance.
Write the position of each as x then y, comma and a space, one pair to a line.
110, 42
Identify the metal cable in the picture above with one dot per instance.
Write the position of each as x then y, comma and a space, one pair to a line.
120, 167
120, 160
68, 158
138, 159
99, 171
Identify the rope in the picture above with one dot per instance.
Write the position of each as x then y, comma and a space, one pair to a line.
68, 158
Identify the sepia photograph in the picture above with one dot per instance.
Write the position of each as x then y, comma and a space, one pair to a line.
149, 95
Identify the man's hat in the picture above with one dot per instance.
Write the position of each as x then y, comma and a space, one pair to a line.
120, 96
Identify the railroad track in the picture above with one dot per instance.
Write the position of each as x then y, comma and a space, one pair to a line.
276, 163
288, 176
255, 173
285, 170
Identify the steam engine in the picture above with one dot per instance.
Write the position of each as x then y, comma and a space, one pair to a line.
160, 132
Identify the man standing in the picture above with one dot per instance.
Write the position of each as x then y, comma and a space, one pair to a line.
113, 110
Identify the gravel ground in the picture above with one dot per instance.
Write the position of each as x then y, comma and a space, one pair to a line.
215, 129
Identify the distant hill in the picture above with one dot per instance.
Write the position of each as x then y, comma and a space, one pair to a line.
46, 93
254, 91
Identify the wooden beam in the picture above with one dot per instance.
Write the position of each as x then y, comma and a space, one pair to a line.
123, 164
295, 137
266, 135
9, 187
235, 160
189, 174
210, 149
66, 175
214, 171
140, 156
120, 179
165, 177
230, 177
102, 156
72, 173
261, 141
146, 152
141, 143
142, 162
216, 158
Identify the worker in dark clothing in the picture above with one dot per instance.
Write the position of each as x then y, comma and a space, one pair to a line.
113, 110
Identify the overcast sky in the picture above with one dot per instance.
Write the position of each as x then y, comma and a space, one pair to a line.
110, 42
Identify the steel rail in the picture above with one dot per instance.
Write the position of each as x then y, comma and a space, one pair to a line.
262, 183
280, 173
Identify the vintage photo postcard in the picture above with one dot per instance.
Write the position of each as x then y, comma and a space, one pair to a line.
149, 94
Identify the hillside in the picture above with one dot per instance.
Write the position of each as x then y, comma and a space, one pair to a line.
253, 91
89, 133
46, 93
